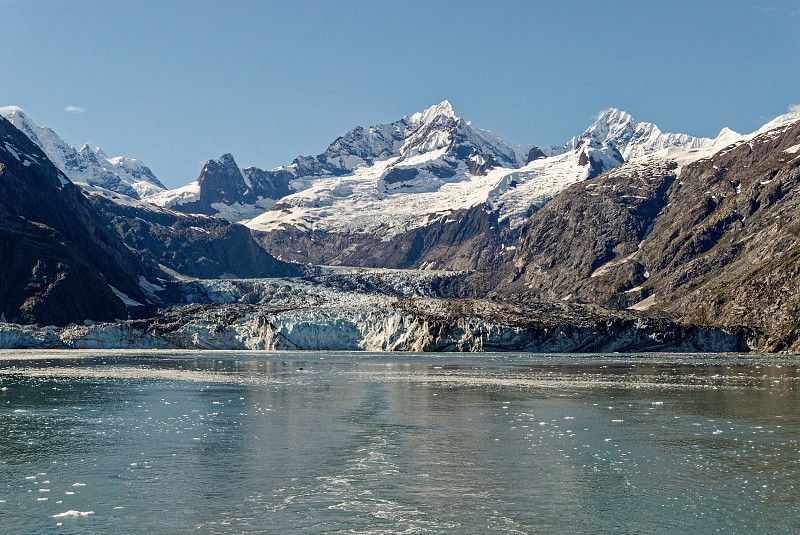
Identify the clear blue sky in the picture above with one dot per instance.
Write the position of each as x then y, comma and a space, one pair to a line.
175, 83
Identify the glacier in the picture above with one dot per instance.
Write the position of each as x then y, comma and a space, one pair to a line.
365, 310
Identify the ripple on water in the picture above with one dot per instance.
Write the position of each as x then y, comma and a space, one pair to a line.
386, 444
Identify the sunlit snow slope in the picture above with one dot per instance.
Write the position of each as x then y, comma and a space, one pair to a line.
397, 176
87, 166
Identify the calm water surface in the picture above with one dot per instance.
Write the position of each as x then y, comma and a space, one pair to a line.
355, 443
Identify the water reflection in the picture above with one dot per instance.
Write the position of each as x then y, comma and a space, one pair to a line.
355, 443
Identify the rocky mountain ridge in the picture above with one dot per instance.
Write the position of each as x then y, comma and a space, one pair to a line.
716, 244
388, 195
86, 166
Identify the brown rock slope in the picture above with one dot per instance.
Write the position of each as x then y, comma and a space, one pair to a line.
719, 245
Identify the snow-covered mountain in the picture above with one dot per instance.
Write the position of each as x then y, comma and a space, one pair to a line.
399, 175
418, 172
436, 146
87, 166
430, 168
396, 175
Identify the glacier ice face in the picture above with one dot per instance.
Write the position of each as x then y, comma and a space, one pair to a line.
372, 310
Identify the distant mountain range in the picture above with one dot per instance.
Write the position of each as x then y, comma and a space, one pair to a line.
397, 195
621, 217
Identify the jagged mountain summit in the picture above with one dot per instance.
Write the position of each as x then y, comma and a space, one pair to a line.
225, 191
407, 186
634, 139
404, 184
87, 166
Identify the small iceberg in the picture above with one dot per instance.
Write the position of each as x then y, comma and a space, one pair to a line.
73, 513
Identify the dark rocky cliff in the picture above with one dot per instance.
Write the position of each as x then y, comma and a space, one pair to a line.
462, 239
177, 244
59, 258
566, 249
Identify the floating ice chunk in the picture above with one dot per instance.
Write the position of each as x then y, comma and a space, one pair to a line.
73, 513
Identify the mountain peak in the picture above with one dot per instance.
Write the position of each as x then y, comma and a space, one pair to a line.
781, 120
726, 136
611, 112
225, 159
7, 111
614, 116
610, 125
222, 171
633, 139
443, 109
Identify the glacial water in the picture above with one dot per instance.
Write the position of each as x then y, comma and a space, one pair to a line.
219, 443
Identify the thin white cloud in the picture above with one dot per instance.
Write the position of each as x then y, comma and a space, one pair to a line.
75, 109
794, 108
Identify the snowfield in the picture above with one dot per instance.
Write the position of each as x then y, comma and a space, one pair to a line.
365, 199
